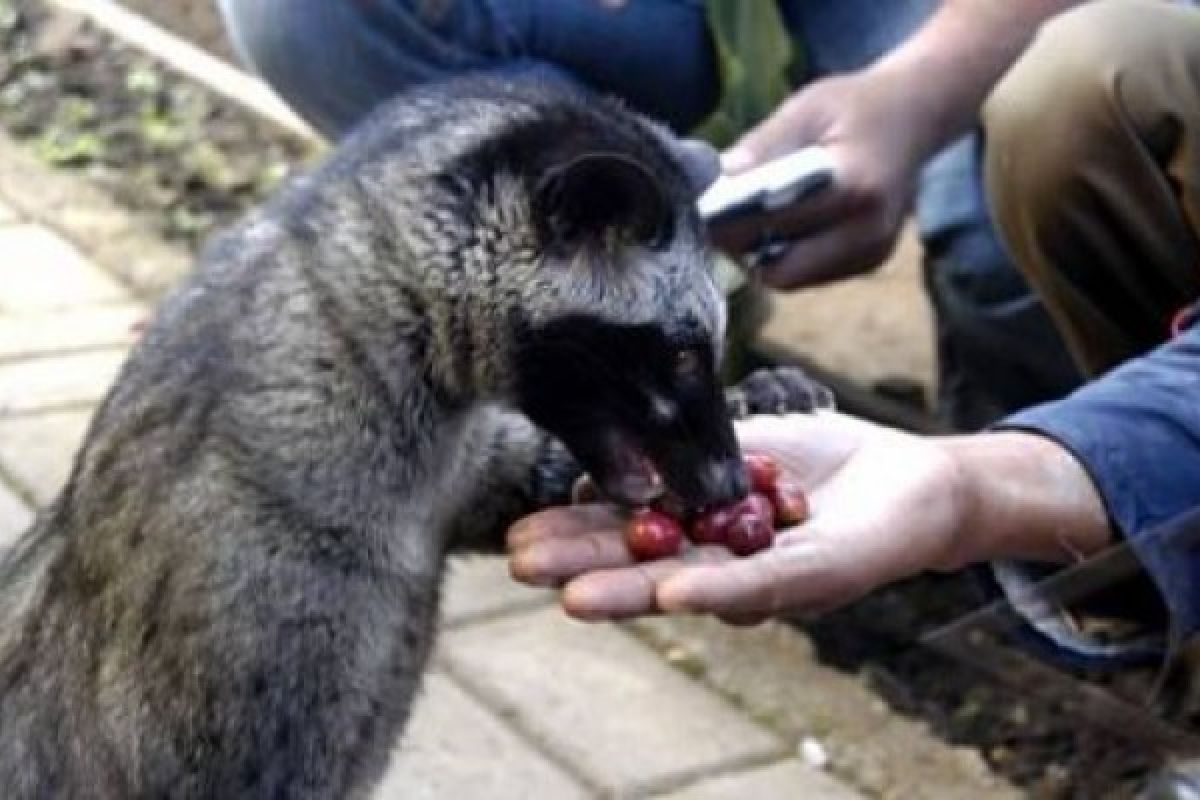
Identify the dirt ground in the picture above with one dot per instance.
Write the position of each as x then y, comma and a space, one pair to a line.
190, 160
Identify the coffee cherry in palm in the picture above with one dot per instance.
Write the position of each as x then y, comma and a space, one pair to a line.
764, 472
651, 534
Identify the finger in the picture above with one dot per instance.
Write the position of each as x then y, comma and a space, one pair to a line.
563, 522
788, 128
802, 572
736, 588
630, 591
849, 249
554, 559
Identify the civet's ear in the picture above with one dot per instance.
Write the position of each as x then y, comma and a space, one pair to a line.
700, 161
595, 195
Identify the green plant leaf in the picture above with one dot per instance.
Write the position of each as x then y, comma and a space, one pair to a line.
756, 58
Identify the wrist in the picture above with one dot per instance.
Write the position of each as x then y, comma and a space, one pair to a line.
947, 68
1023, 496
925, 106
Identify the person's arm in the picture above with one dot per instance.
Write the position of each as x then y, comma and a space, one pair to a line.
1027, 497
1136, 431
886, 505
1119, 458
881, 124
949, 66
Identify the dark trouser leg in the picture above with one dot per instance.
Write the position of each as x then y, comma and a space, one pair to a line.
334, 60
1093, 170
996, 347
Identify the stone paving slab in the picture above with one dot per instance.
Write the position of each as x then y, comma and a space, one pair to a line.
38, 449
786, 780
772, 673
58, 332
455, 748
15, 516
609, 706
480, 586
42, 271
47, 384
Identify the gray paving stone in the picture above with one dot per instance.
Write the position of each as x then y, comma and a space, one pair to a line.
773, 673
480, 586
42, 271
787, 780
26, 335
456, 748
606, 704
38, 449
15, 516
64, 381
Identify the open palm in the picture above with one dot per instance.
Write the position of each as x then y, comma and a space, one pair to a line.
885, 505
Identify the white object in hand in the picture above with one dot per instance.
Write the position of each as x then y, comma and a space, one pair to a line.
769, 186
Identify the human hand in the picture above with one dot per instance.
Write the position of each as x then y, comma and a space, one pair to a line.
885, 505
878, 138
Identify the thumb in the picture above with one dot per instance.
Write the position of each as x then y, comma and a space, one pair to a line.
788, 129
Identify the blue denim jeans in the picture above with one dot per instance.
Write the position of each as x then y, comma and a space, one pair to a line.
333, 60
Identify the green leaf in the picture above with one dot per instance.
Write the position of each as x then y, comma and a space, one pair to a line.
755, 57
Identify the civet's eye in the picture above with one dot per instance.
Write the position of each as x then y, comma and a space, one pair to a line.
687, 363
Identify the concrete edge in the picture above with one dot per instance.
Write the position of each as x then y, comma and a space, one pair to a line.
248, 91
122, 243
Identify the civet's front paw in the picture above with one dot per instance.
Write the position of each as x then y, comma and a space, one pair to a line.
777, 390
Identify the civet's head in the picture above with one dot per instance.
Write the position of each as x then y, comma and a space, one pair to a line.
586, 281
619, 325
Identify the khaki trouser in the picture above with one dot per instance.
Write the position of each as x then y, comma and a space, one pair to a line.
1093, 172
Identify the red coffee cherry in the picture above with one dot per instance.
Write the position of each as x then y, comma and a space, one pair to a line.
748, 534
791, 504
758, 505
651, 534
764, 472
712, 526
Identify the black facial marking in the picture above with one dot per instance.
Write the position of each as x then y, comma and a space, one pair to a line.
594, 383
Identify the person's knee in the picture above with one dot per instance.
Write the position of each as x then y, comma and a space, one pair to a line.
1069, 93
1058, 90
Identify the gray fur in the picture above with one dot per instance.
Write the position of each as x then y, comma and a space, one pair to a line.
235, 594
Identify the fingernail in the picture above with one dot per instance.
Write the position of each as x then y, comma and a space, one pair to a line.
737, 160
583, 604
526, 567
672, 598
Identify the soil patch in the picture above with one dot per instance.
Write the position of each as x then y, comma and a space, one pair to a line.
154, 142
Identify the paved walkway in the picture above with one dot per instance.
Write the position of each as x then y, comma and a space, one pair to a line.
521, 702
